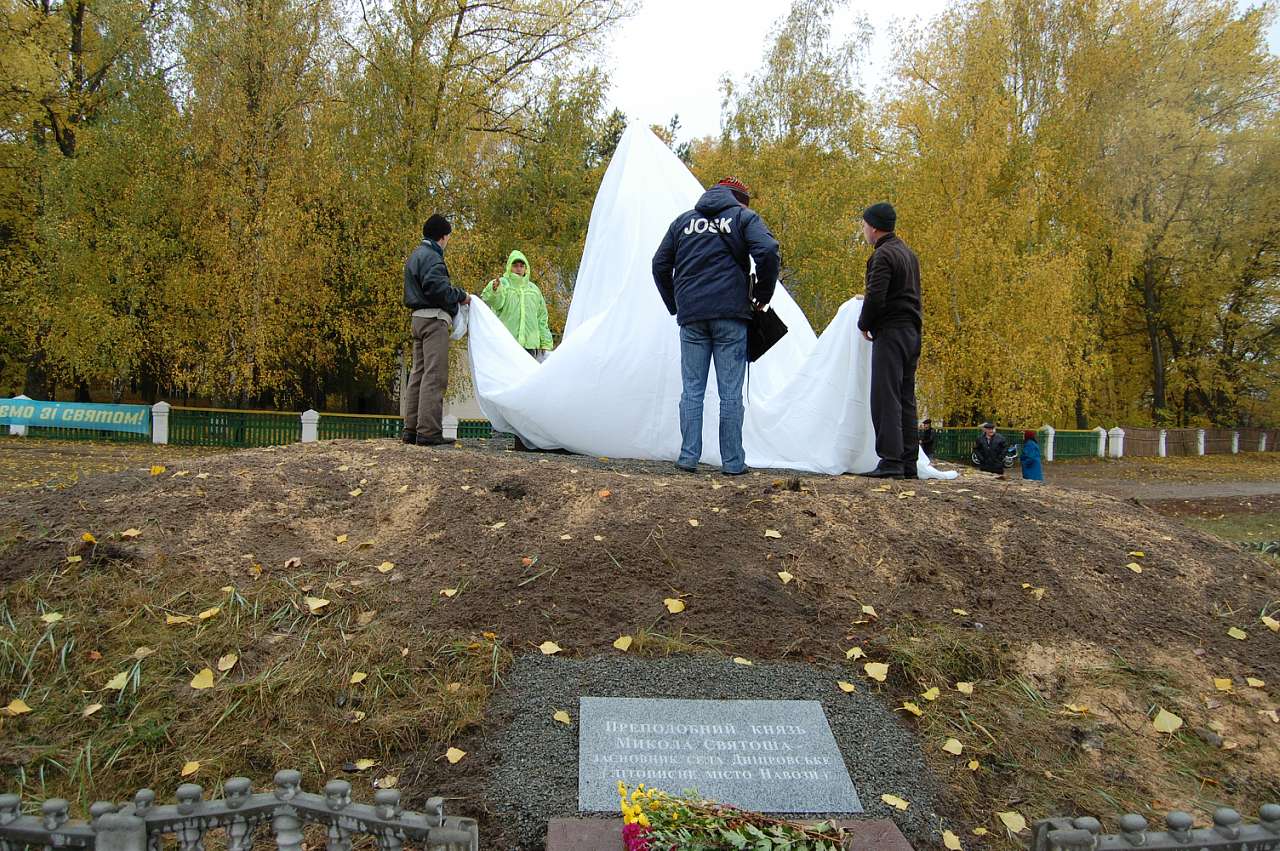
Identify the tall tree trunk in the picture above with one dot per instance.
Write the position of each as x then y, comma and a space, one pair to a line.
1151, 316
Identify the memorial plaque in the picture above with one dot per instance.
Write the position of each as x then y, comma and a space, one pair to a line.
775, 756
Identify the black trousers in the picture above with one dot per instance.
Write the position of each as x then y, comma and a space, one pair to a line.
895, 352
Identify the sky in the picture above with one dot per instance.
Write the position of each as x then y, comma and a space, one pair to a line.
669, 58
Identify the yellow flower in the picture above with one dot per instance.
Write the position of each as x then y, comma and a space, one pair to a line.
643, 820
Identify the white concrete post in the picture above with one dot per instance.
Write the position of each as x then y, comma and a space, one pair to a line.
1262, 442
19, 430
449, 427
1102, 441
310, 426
1117, 442
1164, 444
1049, 432
160, 422
1235, 443
1199, 441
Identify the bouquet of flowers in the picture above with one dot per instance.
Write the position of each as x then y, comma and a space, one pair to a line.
656, 821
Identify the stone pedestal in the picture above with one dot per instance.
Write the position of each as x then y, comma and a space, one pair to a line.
580, 834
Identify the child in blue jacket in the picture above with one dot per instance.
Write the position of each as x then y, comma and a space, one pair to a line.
1031, 468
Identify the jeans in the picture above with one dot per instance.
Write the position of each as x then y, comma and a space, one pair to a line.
725, 340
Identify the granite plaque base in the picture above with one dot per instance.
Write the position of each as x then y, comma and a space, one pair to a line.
565, 834
773, 756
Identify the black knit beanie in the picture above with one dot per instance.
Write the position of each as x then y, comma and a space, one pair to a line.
881, 216
436, 227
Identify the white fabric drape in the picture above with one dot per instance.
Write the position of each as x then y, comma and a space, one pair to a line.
612, 385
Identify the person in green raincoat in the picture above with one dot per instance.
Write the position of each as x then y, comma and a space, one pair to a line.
518, 302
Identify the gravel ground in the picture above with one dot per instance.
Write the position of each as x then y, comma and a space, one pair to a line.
535, 773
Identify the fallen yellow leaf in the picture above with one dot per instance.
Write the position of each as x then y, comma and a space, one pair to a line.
912, 708
772, 533
562, 717
906, 494
673, 605
88, 538
90, 709
1237, 633
499, 524
1271, 623
131, 533
177, 619
157, 470
847, 688
355, 492
118, 682
895, 801
566, 537
358, 677
854, 653
1014, 822
980, 831
738, 660
315, 604
453, 755
785, 577
549, 648
17, 706
448, 592
973, 765
142, 652
964, 688
366, 618
1077, 708
1222, 684
1137, 554
931, 693
226, 663
386, 567
387, 782
202, 680
190, 767
342, 539
1254, 682
693, 522
953, 747
365, 764
1166, 722
202, 475
51, 617
623, 643
208, 613
870, 610
74, 559
960, 612
951, 842
1134, 566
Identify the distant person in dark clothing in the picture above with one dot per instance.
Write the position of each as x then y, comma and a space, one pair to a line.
892, 320
1031, 468
989, 450
434, 302
701, 271
926, 437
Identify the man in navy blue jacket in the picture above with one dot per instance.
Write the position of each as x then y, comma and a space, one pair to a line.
702, 273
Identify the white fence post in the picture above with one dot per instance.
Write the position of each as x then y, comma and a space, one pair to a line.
1199, 441
1117, 442
1262, 442
1102, 441
449, 427
160, 422
1235, 443
1049, 432
1164, 444
310, 426
19, 430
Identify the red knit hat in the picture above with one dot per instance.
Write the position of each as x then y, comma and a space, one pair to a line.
737, 187
1028, 435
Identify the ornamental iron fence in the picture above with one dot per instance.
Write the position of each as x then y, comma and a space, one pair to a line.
141, 825
1229, 833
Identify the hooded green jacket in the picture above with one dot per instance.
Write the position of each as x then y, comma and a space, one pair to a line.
519, 304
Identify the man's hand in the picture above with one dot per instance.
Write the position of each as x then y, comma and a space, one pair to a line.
758, 307
495, 283
866, 335
466, 299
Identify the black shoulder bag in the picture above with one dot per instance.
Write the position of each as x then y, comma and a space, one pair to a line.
766, 327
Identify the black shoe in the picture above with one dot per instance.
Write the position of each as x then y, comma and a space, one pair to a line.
884, 471
909, 472
434, 441
409, 437
682, 468
741, 472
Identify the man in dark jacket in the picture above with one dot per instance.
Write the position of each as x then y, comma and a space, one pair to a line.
891, 320
989, 450
701, 270
434, 302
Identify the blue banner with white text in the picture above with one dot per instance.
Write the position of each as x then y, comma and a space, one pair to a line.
87, 415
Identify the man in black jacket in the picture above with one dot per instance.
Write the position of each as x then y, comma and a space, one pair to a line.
891, 320
701, 271
989, 450
434, 302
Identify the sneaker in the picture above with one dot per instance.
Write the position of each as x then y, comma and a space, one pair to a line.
682, 468
434, 441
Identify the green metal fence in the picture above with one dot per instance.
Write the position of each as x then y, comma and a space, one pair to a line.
225, 427
474, 429
956, 444
95, 435
358, 426
1070, 443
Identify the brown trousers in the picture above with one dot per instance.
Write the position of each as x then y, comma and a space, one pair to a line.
424, 404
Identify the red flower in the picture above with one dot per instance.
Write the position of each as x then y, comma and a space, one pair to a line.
635, 837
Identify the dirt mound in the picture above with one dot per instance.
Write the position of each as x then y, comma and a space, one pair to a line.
973, 580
